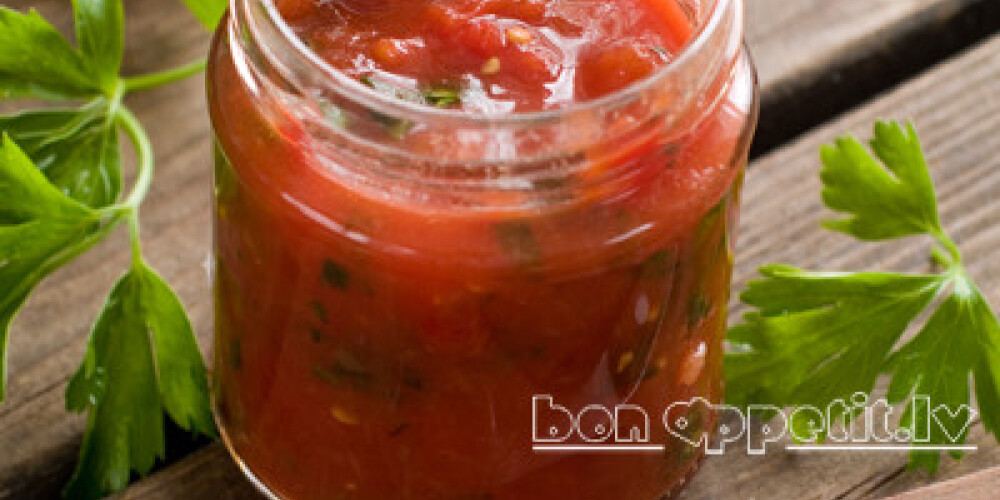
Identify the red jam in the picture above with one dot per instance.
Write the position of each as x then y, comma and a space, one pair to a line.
372, 346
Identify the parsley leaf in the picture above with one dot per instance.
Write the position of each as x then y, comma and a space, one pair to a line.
37, 61
959, 338
99, 33
810, 325
885, 200
815, 338
208, 12
40, 228
77, 149
142, 359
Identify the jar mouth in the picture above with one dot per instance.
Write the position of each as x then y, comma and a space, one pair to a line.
373, 100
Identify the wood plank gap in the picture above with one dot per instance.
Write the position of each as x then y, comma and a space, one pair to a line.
820, 94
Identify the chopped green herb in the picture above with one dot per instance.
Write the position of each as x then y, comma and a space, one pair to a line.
518, 240
672, 152
658, 266
699, 309
333, 115
652, 371
550, 183
439, 97
335, 275
712, 219
413, 380
442, 97
396, 127
392, 90
347, 369
694, 425
661, 51
316, 335
320, 311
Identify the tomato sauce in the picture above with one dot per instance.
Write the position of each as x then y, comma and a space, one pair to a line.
518, 55
372, 346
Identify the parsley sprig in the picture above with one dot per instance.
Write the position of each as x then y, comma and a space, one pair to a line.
816, 337
60, 194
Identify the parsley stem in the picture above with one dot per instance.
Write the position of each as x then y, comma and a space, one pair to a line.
133, 237
143, 82
949, 245
144, 152
942, 257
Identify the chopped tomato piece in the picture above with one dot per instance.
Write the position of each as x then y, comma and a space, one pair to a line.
604, 69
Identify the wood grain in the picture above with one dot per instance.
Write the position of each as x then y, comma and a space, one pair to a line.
984, 484
819, 57
792, 39
957, 109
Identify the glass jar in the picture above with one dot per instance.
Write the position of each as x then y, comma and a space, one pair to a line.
411, 302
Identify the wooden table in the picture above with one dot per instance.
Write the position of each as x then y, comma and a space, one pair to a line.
827, 67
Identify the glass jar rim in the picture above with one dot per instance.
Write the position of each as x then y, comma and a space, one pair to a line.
373, 100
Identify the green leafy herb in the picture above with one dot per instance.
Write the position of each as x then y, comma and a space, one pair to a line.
36, 61
208, 12
40, 229
886, 196
77, 149
60, 194
818, 337
99, 25
142, 359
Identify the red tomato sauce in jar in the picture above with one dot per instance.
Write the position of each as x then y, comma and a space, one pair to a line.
378, 339
506, 55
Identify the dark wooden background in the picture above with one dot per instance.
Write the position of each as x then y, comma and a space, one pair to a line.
826, 67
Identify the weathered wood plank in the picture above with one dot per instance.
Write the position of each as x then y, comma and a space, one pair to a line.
818, 57
39, 439
976, 486
957, 109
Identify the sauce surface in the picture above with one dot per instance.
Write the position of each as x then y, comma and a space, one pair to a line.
493, 56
